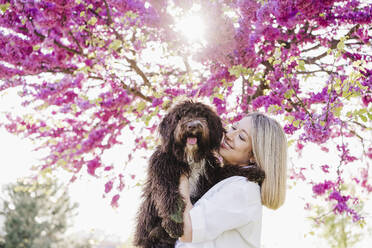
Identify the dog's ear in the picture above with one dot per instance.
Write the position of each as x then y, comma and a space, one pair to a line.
216, 127
166, 129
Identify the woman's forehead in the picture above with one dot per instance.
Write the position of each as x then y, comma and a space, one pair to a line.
245, 122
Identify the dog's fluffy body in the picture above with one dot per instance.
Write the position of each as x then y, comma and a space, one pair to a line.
191, 133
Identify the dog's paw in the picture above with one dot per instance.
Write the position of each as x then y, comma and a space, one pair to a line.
174, 229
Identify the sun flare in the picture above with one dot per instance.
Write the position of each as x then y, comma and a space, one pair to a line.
192, 27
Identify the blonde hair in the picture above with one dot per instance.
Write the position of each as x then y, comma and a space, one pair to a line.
269, 145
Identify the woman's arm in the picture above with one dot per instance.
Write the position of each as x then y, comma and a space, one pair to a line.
185, 193
234, 203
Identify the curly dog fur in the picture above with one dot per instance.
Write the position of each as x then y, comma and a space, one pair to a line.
190, 134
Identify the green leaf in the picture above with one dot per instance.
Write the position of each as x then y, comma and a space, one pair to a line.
4, 7
36, 47
236, 70
301, 65
141, 106
157, 94
345, 90
92, 21
219, 96
296, 123
363, 118
362, 111
341, 46
273, 108
289, 93
369, 115
147, 119
74, 108
115, 44
337, 111
289, 118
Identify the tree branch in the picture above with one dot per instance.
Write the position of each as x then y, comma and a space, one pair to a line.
133, 91
311, 48
135, 67
109, 19
60, 45
76, 41
310, 72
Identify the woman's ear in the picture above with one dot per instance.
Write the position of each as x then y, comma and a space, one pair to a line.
252, 159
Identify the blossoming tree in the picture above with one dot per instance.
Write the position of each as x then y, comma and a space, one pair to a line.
94, 69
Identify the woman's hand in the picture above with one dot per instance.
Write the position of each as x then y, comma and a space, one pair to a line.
184, 189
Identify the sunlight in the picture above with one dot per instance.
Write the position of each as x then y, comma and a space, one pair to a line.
192, 27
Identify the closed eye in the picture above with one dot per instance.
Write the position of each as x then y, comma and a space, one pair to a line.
241, 137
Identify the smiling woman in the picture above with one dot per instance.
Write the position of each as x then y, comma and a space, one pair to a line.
236, 149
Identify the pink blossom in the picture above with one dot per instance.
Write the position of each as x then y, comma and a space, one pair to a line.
369, 153
325, 168
321, 188
324, 149
108, 186
121, 182
114, 201
93, 165
108, 168
366, 99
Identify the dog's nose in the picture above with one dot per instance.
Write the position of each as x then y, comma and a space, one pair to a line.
192, 125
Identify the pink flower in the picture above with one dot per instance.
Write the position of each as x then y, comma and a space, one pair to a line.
93, 165
366, 99
324, 149
321, 188
108, 186
369, 153
108, 168
114, 201
325, 168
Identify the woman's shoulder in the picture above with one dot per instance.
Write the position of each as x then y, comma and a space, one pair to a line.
240, 180
239, 184
252, 172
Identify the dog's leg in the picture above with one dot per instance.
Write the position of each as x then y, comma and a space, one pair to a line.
147, 220
165, 174
170, 206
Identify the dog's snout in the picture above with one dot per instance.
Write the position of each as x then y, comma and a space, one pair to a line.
193, 125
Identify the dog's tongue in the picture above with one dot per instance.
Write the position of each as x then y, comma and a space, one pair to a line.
191, 141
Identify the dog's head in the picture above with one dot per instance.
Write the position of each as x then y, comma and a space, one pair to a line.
191, 129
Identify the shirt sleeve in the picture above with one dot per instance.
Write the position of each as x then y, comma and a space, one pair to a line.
236, 204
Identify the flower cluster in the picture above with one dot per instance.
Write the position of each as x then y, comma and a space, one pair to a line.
84, 67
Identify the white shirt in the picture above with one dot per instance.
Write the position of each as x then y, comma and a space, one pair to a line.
228, 215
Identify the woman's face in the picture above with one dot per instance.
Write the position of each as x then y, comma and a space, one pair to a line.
236, 146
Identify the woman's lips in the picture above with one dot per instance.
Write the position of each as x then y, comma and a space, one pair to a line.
225, 145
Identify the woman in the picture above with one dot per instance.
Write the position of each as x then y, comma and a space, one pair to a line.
230, 213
